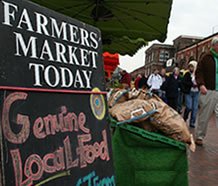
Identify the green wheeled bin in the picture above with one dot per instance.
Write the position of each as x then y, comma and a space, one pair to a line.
143, 158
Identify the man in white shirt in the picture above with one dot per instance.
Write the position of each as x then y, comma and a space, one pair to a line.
154, 82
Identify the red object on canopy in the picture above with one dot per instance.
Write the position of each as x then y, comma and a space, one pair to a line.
111, 61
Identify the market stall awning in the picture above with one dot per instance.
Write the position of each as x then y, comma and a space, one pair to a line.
145, 19
124, 45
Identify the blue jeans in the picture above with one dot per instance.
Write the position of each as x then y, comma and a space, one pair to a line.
191, 103
180, 101
163, 95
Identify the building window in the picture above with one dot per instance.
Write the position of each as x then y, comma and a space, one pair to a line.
149, 58
146, 61
152, 56
164, 55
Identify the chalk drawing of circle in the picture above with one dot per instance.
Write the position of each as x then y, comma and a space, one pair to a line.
97, 103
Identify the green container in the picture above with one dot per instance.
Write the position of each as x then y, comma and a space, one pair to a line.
143, 158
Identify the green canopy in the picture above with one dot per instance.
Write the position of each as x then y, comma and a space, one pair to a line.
134, 19
124, 45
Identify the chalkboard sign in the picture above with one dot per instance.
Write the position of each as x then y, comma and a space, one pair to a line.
53, 105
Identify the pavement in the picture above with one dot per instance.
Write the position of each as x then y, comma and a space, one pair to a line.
203, 164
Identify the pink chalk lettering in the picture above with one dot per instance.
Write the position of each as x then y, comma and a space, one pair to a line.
23, 120
28, 170
59, 159
68, 154
38, 128
18, 172
52, 124
88, 153
71, 122
82, 149
104, 152
82, 121
61, 118
35, 166
48, 168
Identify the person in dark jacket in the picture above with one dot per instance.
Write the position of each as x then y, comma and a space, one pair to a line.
172, 85
137, 80
180, 96
143, 82
190, 89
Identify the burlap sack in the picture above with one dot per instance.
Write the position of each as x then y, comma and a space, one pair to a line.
144, 94
134, 93
170, 122
131, 109
117, 96
146, 125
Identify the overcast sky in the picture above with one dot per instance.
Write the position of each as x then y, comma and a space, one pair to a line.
188, 17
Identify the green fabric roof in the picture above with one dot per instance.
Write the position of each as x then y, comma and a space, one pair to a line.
134, 19
124, 45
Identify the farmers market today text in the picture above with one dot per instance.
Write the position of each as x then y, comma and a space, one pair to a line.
78, 48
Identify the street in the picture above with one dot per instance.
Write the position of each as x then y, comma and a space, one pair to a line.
203, 164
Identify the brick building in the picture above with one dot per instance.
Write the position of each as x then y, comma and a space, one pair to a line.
184, 49
156, 56
140, 70
183, 41
194, 51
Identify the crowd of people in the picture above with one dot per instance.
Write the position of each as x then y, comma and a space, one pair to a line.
195, 89
172, 88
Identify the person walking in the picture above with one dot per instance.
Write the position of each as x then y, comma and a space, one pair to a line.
155, 82
190, 89
137, 80
172, 85
207, 80
180, 95
143, 82
125, 79
162, 88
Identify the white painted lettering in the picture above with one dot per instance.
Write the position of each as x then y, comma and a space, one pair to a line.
72, 55
64, 73
87, 75
74, 34
31, 46
60, 51
84, 37
48, 76
79, 80
8, 15
36, 69
41, 23
24, 19
56, 31
46, 51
